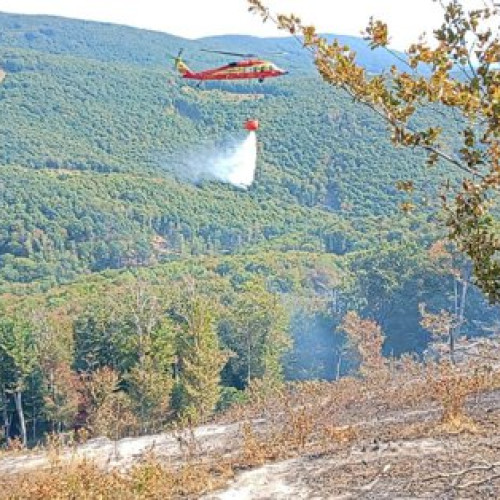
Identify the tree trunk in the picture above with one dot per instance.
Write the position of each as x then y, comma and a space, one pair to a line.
452, 345
5, 413
461, 312
452, 328
460, 301
20, 413
34, 410
249, 360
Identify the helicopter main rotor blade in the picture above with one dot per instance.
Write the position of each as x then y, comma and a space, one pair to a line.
177, 56
237, 54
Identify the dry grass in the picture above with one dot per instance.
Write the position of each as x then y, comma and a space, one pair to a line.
83, 479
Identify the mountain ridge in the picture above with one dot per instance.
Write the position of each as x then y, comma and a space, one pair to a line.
129, 42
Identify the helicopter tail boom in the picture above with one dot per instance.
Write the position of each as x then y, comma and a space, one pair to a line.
180, 65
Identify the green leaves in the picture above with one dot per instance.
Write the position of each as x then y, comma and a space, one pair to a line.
18, 351
200, 359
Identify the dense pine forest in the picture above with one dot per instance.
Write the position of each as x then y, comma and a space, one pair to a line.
131, 297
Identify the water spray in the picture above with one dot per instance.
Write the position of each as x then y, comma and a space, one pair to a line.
233, 162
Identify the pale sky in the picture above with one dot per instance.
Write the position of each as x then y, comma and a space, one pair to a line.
407, 19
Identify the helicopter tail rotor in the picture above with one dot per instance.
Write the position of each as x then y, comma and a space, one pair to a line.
179, 64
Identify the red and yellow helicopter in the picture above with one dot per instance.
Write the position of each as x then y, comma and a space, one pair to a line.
250, 67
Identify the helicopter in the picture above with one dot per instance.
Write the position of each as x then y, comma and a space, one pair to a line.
250, 67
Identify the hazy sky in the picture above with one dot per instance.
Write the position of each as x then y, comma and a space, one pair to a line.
407, 19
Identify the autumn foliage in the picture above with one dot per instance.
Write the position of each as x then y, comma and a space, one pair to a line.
460, 75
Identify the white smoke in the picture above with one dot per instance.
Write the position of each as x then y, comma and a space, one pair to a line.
233, 162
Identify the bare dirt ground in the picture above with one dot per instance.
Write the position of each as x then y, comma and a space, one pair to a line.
122, 454
428, 463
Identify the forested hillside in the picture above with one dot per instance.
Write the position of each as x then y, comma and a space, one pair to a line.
93, 121
82, 97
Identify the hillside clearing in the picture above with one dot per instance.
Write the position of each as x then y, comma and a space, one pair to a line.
394, 454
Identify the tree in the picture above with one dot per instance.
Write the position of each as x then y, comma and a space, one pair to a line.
100, 336
150, 380
60, 384
462, 78
441, 325
255, 330
448, 323
107, 409
149, 386
200, 357
367, 337
17, 360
